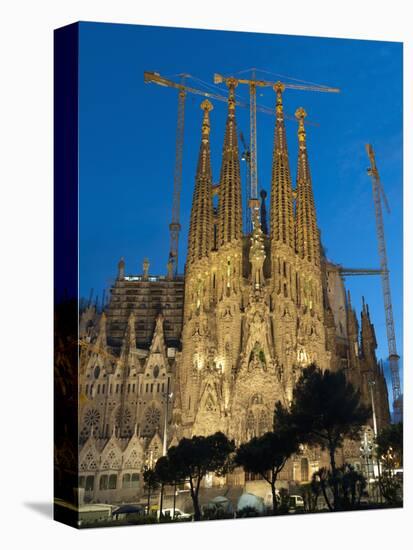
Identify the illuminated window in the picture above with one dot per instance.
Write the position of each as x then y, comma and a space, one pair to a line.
126, 481
103, 483
90, 483
113, 478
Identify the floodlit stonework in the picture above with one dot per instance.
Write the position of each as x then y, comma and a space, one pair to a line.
172, 357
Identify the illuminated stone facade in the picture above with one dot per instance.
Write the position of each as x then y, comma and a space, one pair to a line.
230, 339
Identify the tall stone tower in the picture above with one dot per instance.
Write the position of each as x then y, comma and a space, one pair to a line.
248, 331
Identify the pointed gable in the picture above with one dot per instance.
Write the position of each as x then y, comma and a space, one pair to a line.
158, 339
154, 450
111, 458
89, 456
133, 454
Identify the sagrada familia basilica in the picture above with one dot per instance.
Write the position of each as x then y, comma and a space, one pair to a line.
173, 356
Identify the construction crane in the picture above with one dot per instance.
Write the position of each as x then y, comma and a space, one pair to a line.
253, 84
93, 348
351, 272
378, 196
174, 226
246, 156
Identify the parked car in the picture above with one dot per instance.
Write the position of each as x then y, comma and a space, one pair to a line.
128, 512
169, 513
296, 502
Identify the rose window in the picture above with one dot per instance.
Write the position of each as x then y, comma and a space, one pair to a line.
153, 416
127, 417
92, 418
152, 419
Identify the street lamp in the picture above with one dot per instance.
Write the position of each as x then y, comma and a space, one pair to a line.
167, 396
371, 382
366, 451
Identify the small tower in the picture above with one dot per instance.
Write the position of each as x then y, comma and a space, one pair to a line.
200, 231
257, 253
263, 212
368, 335
307, 235
230, 204
145, 267
121, 269
282, 218
353, 340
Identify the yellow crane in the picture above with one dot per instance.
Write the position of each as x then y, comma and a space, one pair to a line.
175, 226
93, 348
183, 89
151, 77
378, 197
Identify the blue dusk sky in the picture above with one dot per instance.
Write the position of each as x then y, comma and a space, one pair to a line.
127, 144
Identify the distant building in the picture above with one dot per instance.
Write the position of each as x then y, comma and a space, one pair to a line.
217, 349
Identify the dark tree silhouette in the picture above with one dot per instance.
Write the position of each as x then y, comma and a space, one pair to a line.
168, 472
350, 485
390, 443
325, 410
66, 401
163, 474
267, 455
194, 458
151, 482
390, 453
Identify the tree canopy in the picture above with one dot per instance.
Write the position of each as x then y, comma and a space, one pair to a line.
390, 443
194, 458
325, 410
267, 455
151, 483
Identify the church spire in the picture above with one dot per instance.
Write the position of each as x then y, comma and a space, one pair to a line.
230, 206
352, 322
368, 335
282, 218
200, 232
101, 340
307, 235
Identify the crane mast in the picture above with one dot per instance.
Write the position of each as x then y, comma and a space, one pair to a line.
253, 140
175, 226
246, 156
385, 278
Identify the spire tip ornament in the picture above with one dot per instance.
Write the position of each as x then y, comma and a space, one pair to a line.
206, 105
279, 87
300, 115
